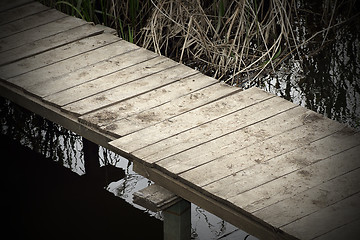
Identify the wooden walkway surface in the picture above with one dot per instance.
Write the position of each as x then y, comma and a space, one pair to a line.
274, 169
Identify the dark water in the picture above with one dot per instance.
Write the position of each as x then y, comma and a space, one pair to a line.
44, 200
50, 196
325, 76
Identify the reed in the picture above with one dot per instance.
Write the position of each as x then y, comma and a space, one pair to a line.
125, 16
233, 41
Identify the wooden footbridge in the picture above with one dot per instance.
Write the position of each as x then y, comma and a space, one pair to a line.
272, 168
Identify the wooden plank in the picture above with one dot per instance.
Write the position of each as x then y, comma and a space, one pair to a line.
71, 82
149, 117
253, 155
150, 100
327, 219
258, 174
106, 29
21, 12
165, 152
79, 31
40, 32
241, 138
311, 200
194, 118
124, 75
231, 214
155, 198
53, 114
347, 231
298, 181
110, 47
9, 4
54, 56
131, 89
30, 22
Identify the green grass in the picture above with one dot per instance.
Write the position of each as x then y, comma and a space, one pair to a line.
124, 16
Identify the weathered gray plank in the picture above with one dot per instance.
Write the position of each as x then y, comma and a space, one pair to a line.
71, 82
174, 108
347, 231
311, 200
79, 31
155, 198
260, 152
235, 216
54, 56
51, 113
208, 132
298, 181
9, 4
131, 89
40, 32
255, 154
327, 219
258, 174
237, 140
124, 75
146, 101
194, 118
106, 29
21, 12
30, 22
110, 48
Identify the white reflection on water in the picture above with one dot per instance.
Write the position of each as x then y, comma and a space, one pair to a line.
204, 224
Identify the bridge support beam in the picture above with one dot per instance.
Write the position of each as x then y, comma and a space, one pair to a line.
176, 211
177, 221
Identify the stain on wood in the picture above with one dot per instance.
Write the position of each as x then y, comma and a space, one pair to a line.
274, 169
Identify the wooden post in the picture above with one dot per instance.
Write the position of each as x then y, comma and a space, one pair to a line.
91, 156
176, 211
177, 221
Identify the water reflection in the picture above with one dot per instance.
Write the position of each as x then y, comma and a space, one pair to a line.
65, 148
326, 78
41, 135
